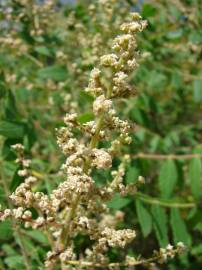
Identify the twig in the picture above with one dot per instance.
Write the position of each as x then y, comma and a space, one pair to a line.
113, 265
164, 156
34, 60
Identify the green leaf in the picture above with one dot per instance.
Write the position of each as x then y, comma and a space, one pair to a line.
38, 236
148, 10
16, 181
56, 73
174, 11
197, 250
159, 219
85, 97
195, 176
31, 247
5, 230
156, 80
140, 116
15, 262
11, 111
176, 80
195, 37
2, 89
167, 178
31, 133
154, 143
22, 95
131, 175
175, 34
144, 218
8, 249
180, 233
2, 195
7, 152
86, 117
11, 130
43, 50
118, 202
197, 90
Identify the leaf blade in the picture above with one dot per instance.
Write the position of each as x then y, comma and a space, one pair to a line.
195, 173
11, 130
167, 178
160, 224
179, 229
144, 218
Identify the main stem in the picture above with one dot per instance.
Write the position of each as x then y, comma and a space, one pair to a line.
65, 235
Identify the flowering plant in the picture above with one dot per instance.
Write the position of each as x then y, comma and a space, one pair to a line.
78, 205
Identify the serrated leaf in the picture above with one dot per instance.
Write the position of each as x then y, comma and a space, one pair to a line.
118, 202
144, 218
167, 178
11, 130
195, 176
159, 219
179, 229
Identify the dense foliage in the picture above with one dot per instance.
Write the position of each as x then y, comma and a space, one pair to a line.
47, 52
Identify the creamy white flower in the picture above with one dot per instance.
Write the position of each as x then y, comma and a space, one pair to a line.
101, 158
109, 60
101, 105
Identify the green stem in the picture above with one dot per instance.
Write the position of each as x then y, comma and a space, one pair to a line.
34, 60
95, 138
164, 203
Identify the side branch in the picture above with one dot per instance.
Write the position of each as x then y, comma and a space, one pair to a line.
164, 156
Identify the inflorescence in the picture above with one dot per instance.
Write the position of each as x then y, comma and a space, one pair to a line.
78, 205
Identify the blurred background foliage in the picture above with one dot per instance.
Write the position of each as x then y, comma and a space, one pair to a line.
46, 54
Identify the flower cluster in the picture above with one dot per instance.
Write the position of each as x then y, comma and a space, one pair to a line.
170, 252
78, 205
